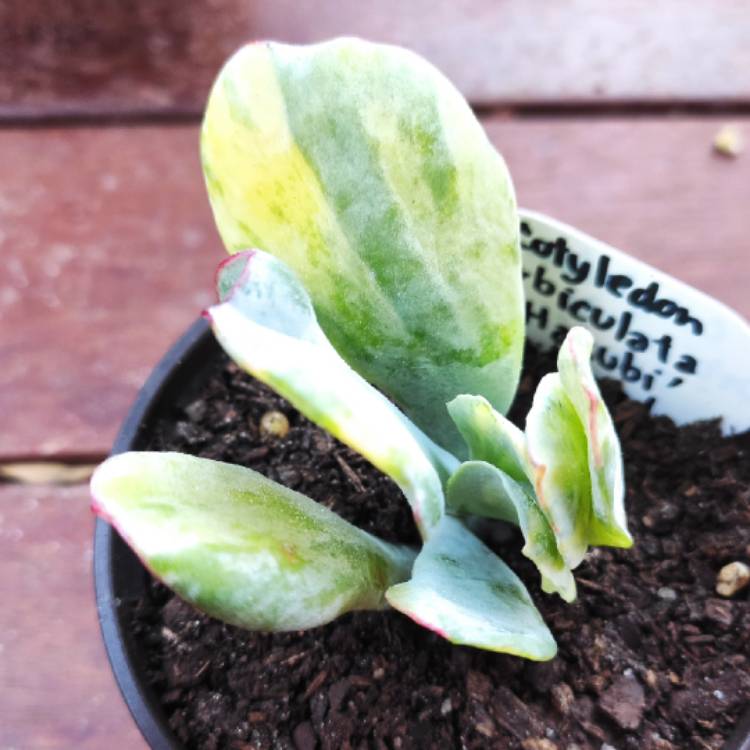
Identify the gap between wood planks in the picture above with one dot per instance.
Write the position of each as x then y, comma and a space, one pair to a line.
81, 115
58, 472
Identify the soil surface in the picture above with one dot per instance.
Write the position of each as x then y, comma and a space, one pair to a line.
650, 656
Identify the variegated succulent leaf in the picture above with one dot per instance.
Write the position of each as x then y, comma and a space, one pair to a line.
241, 547
608, 525
266, 323
574, 455
568, 458
490, 436
481, 489
557, 451
364, 169
461, 590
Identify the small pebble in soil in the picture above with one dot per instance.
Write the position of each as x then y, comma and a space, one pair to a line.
732, 579
274, 424
666, 593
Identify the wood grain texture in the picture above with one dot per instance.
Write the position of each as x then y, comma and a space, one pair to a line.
57, 687
157, 56
108, 246
109, 251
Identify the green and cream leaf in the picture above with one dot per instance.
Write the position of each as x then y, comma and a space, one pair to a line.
481, 489
608, 524
365, 170
266, 323
390, 254
464, 592
490, 436
241, 547
557, 451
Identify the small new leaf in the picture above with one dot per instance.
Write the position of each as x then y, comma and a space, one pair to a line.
484, 490
565, 469
464, 592
490, 436
241, 547
608, 523
557, 451
498, 485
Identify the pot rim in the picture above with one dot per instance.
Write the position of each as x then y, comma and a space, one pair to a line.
180, 363
110, 551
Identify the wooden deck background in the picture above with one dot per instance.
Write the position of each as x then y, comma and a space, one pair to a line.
605, 112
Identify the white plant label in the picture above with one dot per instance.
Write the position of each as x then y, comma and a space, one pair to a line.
672, 346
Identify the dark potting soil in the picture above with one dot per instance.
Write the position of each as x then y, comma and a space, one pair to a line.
650, 657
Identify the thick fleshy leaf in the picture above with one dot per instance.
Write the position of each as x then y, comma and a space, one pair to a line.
241, 547
608, 522
557, 450
463, 591
490, 436
482, 489
365, 170
568, 460
266, 323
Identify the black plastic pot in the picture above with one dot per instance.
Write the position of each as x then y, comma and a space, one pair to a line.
118, 574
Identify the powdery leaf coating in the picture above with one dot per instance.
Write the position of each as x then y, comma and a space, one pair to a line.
465, 593
241, 547
364, 169
267, 324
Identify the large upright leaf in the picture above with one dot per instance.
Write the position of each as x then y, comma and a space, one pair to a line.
241, 547
463, 591
608, 523
266, 323
365, 170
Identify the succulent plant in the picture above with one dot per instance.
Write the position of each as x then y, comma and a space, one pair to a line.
382, 297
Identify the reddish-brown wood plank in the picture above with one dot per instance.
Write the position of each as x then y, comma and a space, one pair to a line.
57, 687
108, 253
108, 246
160, 56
